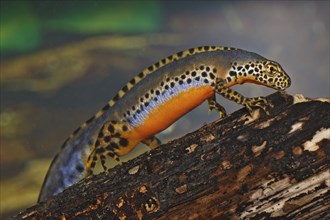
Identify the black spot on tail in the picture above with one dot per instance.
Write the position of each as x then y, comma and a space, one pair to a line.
115, 99
125, 88
132, 81
106, 107
90, 120
141, 75
76, 131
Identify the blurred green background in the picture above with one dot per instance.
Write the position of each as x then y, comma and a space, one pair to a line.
62, 60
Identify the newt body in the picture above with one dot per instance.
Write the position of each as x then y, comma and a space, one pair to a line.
156, 98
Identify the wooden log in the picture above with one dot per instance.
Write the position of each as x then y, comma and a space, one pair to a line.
242, 167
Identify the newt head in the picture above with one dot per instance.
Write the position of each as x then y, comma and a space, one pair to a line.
258, 71
274, 76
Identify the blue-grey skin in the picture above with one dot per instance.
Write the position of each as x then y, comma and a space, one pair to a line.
68, 166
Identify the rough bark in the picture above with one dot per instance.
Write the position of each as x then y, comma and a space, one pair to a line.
260, 167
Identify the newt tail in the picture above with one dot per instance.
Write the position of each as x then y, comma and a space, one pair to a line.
153, 100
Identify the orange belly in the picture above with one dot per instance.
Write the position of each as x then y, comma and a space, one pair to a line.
168, 112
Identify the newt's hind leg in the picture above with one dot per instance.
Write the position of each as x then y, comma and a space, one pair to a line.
213, 105
152, 142
108, 144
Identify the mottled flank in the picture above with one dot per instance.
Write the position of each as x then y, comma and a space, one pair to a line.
166, 90
149, 70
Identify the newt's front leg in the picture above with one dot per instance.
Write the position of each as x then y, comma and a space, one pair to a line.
249, 103
213, 105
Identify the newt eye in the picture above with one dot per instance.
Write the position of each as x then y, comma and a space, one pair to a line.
271, 69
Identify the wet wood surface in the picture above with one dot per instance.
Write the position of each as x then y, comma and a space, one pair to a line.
242, 167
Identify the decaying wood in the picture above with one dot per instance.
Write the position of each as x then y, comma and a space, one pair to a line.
241, 167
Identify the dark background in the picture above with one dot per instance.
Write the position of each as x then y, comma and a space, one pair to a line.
61, 61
